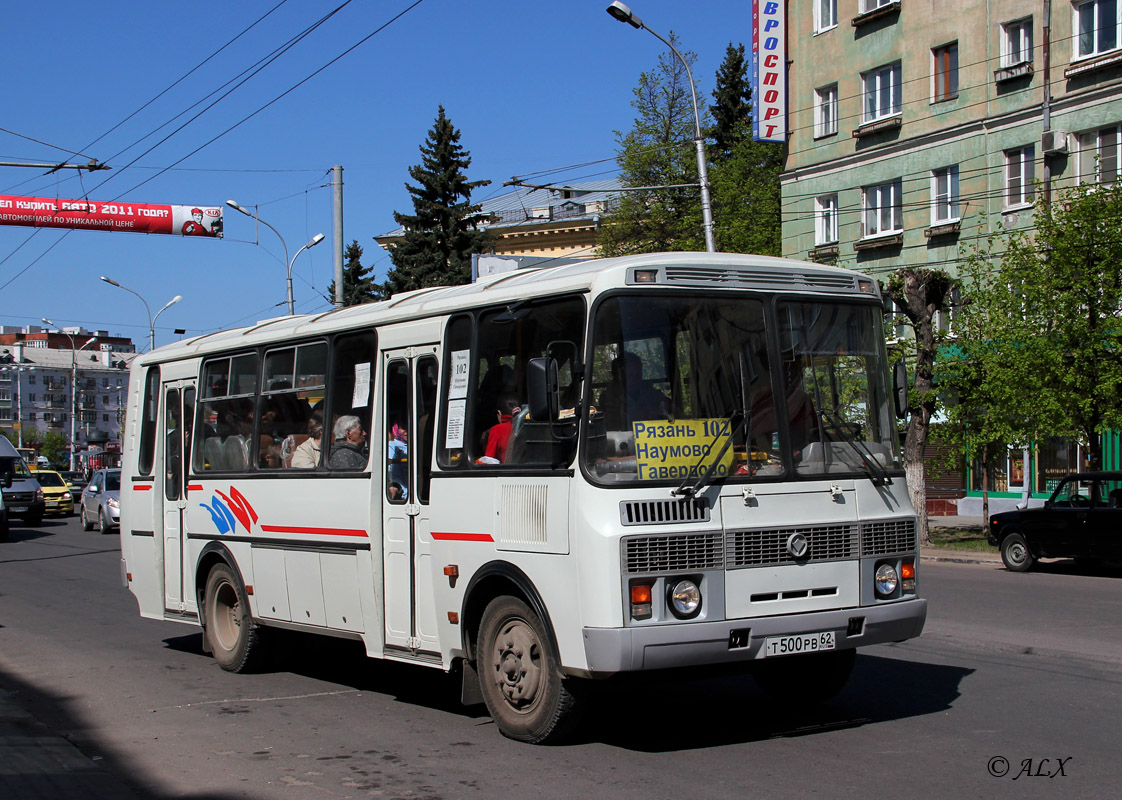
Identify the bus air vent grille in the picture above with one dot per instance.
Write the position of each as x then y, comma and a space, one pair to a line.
888, 536
523, 514
764, 548
692, 551
664, 512
762, 278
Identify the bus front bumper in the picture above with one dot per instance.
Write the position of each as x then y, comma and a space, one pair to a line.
612, 650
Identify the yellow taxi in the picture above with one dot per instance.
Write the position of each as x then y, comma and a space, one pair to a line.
56, 492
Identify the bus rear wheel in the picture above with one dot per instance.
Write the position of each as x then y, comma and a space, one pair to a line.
230, 631
520, 677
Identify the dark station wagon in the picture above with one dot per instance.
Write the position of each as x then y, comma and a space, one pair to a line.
1081, 520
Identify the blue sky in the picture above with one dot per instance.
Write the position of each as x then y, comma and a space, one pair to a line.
532, 86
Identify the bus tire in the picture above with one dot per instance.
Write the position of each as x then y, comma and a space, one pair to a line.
230, 631
805, 680
520, 677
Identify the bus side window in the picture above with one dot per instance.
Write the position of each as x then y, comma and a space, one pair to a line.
351, 392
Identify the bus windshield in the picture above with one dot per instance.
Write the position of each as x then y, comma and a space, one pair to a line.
689, 388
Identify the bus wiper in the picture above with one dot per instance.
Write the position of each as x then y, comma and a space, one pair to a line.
703, 480
877, 474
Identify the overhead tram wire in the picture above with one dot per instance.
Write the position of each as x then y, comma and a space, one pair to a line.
280, 96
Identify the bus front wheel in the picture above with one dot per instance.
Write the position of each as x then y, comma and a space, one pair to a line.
519, 675
230, 631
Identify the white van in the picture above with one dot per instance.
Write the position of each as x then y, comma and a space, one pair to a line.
23, 496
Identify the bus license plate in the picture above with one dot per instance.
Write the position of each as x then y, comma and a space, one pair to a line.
805, 643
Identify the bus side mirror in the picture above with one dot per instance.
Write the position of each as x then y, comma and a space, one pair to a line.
900, 388
541, 385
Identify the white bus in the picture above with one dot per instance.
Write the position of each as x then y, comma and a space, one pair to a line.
542, 478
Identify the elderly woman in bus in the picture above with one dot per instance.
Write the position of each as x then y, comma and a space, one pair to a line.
348, 451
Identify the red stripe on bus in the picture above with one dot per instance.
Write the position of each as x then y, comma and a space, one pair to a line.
314, 531
463, 537
142, 487
194, 487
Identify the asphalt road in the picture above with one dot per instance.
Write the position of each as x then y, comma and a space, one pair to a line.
1016, 667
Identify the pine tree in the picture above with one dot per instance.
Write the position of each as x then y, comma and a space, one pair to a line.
733, 109
744, 174
443, 231
658, 151
358, 285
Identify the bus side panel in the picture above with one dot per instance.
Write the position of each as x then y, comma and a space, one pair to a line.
469, 532
303, 545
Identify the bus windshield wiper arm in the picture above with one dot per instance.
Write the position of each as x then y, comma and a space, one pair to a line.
703, 480
877, 474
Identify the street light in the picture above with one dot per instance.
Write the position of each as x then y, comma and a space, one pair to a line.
624, 14
314, 241
73, 388
19, 405
151, 319
288, 264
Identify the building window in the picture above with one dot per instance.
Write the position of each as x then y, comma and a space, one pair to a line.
1019, 175
826, 219
883, 210
945, 72
825, 15
5, 414
882, 92
872, 5
1098, 155
826, 111
1016, 42
944, 195
31, 380
1096, 27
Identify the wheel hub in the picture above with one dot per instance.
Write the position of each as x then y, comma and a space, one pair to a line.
518, 665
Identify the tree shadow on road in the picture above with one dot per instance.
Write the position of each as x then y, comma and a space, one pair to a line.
51, 750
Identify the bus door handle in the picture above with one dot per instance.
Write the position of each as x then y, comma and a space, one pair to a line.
413, 509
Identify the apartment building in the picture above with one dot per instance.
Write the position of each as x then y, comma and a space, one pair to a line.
917, 126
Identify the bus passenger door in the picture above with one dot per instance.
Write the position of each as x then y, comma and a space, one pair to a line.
175, 436
410, 381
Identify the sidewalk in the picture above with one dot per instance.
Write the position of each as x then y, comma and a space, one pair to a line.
36, 763
959, 556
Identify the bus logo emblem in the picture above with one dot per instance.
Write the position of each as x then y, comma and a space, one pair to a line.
798, 546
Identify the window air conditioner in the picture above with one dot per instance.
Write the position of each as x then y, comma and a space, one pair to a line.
1053, 142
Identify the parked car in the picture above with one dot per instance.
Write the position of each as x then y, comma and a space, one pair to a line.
24, 497
1081, 520
101, 501
77, 480
56, 493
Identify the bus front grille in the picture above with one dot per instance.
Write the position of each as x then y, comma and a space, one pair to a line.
693, 551
669, 511
758, 548
888, 536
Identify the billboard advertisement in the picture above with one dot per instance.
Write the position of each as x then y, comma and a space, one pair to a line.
118, 215
769, 71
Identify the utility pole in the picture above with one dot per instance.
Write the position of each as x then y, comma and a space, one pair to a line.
337, 190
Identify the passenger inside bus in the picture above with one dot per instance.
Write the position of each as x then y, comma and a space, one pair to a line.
498, 436
306, 453
348, 451
397, 462
629, 397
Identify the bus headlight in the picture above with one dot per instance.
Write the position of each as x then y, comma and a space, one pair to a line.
886, 580
685, 599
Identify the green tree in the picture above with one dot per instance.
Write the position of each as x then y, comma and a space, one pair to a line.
54, 447
358, 285
658, 151
443, 231
920, 294
733, 110
1041, 335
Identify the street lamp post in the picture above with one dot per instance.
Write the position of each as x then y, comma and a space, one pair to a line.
287, 263
19, 404
624, 14
73, 388
151, 319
